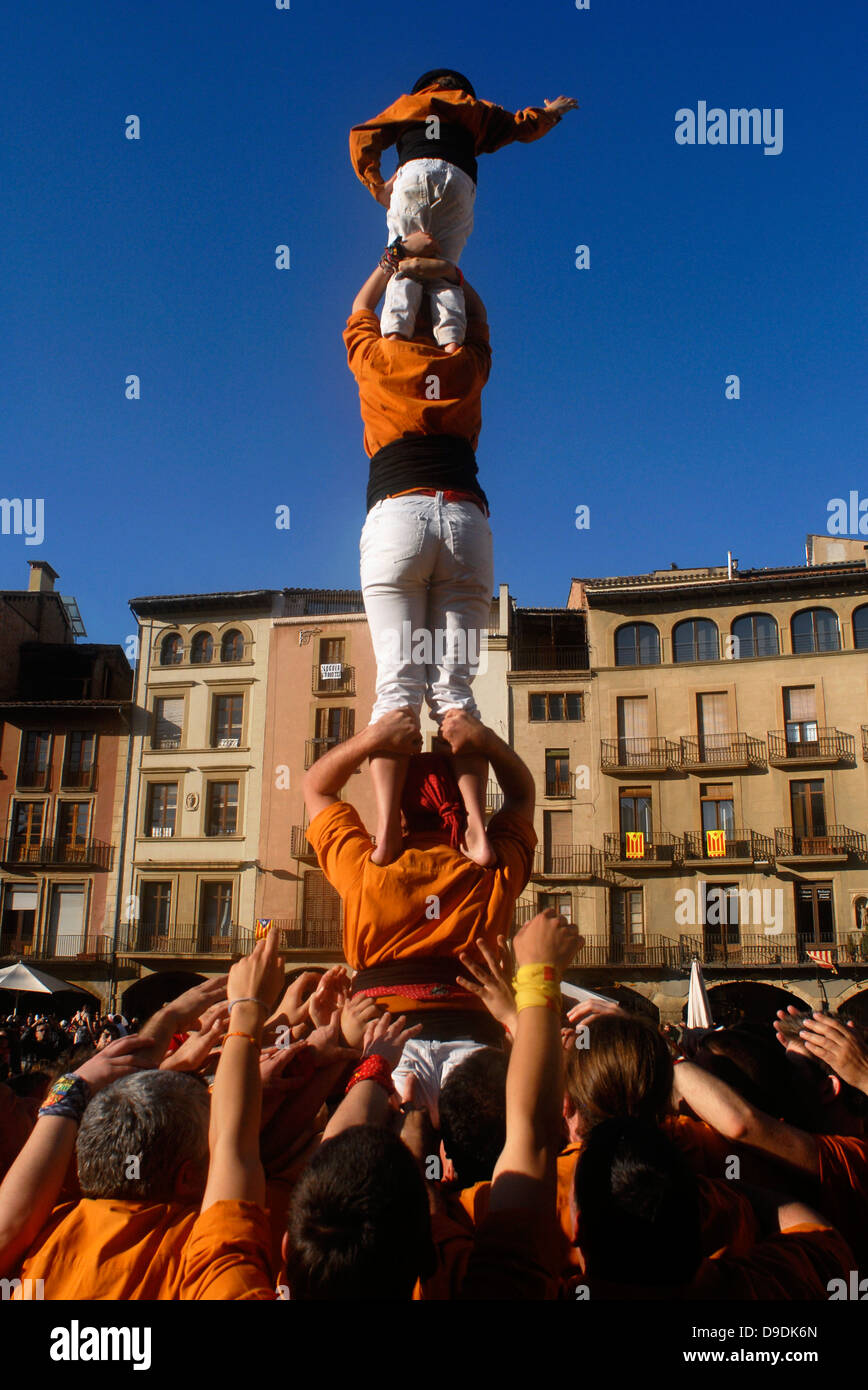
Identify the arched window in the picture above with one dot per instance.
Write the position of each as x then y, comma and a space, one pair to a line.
815, 630
695, 640
232, 646
756, 634
172, 650
202, 649
860, 626
637, 644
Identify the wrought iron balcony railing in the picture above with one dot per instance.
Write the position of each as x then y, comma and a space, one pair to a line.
723, 750
87, 854
300, 846
333, 678
728, 844
836, 840
639, 754
828, 746
658, 847
567, 861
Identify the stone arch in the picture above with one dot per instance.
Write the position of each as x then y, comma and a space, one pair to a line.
149, 994
752, 1001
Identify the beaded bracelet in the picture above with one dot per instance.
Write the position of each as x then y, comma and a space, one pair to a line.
248, 1036
373, 1068
67, 1099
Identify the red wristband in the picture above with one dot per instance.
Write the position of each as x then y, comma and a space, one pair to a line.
373, 1068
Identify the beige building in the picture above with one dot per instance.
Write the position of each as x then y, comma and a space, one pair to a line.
195, 795
711, 782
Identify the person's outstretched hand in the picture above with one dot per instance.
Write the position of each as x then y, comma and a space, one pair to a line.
259, 975
562, 104
489, 983
838, 1045
329, 995
118, 1059
386, 1037
463, 732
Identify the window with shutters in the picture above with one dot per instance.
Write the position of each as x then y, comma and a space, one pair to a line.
222, 809
712, 723
800, 713
558, 781
28, 821
227, 721
720, 915
34, 759
808, 808
78, 763
557, 841
561, 902
161, 810
634, 810
215, 908
20, 907
633, 741
156, 906
815, 914
73, 818
168, 721
628, 917
322, 912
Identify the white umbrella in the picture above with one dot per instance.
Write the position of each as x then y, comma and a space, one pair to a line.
23, 979
698, 1007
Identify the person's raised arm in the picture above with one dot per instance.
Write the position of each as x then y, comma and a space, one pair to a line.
525, 1173
465, 734
235, 1172
735, 1118
180, 1015
368, 1099
33, 1184
396, 732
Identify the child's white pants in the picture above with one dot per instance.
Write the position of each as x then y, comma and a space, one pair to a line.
433, 196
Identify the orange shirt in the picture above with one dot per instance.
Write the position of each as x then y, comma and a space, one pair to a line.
491, 126
795, 1264
227, 1257
394, 380
386, 907
843, 1188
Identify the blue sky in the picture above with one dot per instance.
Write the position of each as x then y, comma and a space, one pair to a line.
156, 257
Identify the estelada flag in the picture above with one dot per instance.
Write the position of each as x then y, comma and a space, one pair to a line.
262, 927
823, 958
715, 843
635, 844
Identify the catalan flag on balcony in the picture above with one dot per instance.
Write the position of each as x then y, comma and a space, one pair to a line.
262, 927
824, 959
715, 843
635, 844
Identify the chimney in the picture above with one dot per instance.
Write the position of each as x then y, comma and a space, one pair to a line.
42, 577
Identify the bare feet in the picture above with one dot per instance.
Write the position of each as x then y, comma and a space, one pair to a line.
477, 847
390, 842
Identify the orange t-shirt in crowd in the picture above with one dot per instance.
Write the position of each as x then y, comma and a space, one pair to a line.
842, 1195
394, 381
228, 1255
798, 1263
386, 907
491, 126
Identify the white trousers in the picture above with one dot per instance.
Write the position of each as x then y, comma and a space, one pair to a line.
431, 1063
427, 576
429, 195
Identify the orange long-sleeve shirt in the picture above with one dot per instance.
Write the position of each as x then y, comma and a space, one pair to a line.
491, 126
394, 380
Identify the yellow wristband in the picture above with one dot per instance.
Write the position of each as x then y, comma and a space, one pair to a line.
537, 986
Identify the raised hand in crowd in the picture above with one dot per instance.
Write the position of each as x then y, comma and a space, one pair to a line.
201, 1042
490, 983
839, 1046
329, 995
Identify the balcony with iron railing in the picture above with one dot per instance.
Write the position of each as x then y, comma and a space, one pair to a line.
727, 846
300, 846
92, 854
830, 746
183, 939
758, 951
865, 742
314, 748
657, 850
32, 777
68, 946
80, 779
639, 755
853, 948
493, 798
333, 678
653, 952
711, 751
836, 842
531, 656
566, 861
309, 933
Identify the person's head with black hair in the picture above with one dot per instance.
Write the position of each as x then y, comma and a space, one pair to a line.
638, 1207
446, 78
359, 1226
472, 1110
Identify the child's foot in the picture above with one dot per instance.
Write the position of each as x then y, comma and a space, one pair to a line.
390, 842
397, 337
478, 847
451, 347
